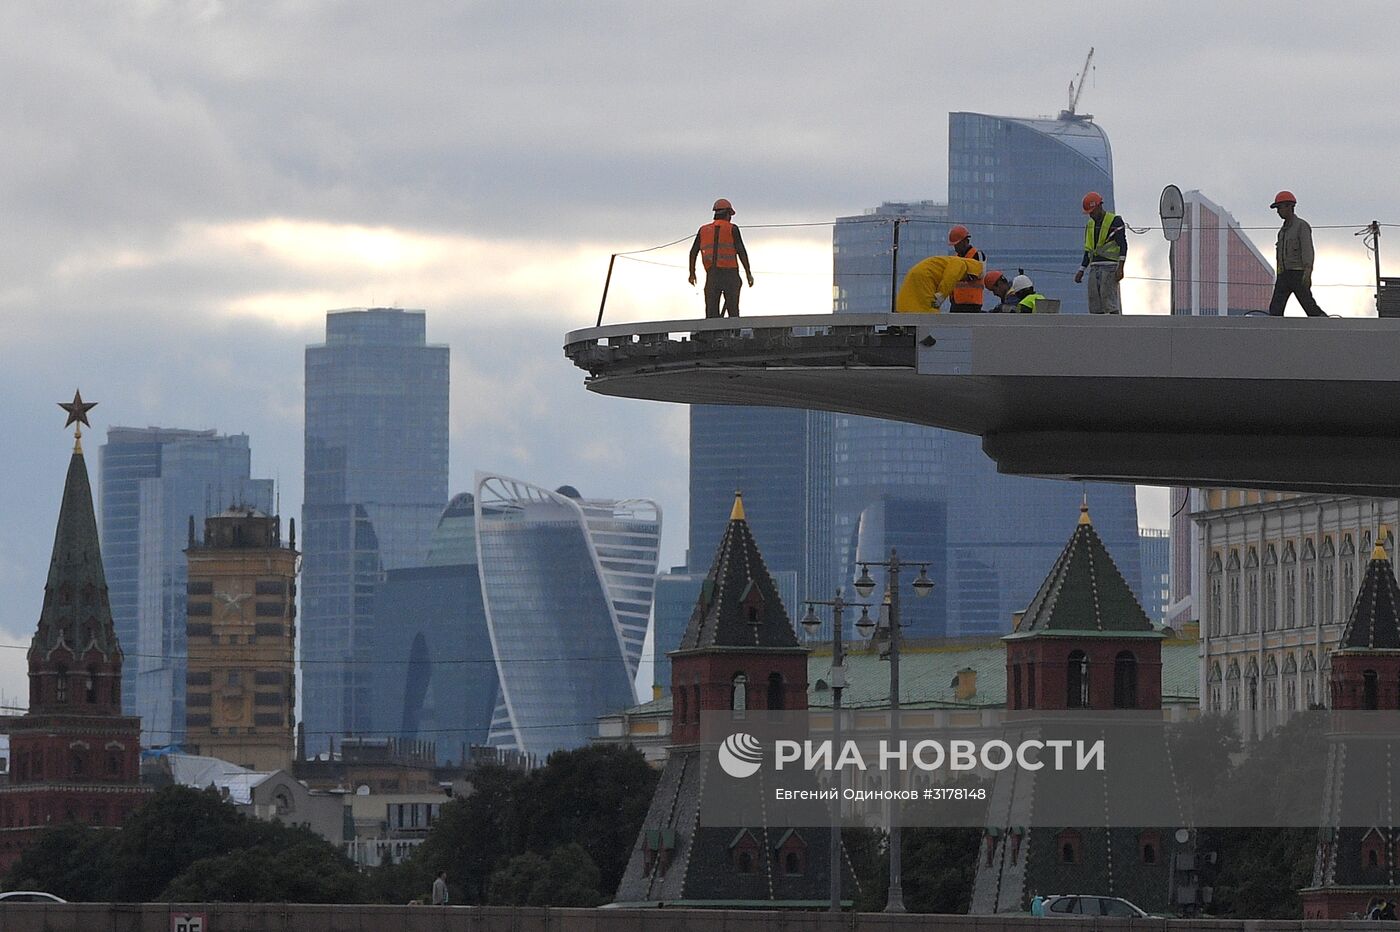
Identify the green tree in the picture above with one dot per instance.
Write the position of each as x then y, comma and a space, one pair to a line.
595, 797
175, 828
303, 869
471, 837
568, 878
69, 860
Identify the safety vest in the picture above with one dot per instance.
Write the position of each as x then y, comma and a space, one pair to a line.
1028, 303
1101, 249
970, 292
717, 245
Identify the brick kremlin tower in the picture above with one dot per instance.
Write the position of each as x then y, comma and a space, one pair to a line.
73, 756
739, 655
1084, 645
1360, 841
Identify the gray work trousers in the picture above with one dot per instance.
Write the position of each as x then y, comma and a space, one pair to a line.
1103, 289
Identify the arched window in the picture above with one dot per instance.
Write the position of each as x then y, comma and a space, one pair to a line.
1270, 594
1232, 576
1215, 622
92, 684
1370, 690
1077, 681
1125, 681
792, 863
61, 685
1290, 586
745, 862
1309, 585
738, 693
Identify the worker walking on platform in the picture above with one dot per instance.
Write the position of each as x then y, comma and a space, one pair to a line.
1000, 287
1023, 297
721, 249
1105, 254
1293, 259
931, 281
967, 296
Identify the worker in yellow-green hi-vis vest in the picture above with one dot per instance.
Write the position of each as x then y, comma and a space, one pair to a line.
1105, 252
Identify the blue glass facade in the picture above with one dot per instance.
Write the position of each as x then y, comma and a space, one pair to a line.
1018, 185
567, 584
376, 483
434, 676
153, 480
781, 459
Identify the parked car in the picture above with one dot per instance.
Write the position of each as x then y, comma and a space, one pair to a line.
1066, 905
29, 896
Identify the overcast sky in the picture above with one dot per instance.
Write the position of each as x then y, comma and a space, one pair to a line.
187, 187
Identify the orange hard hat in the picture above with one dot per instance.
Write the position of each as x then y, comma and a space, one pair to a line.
723, 204
1092, 200
1283, 197
957, 234
992, 277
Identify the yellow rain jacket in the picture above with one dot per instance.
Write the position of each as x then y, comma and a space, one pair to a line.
932, 280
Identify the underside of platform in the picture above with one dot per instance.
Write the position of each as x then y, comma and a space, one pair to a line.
1298, 404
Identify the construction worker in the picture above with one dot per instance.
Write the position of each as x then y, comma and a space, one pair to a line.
967, 297
1000, 286
1293, 259
1023, 296
1105, 253
721, 249
931, 281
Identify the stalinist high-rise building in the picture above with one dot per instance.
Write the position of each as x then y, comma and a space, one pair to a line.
241, 680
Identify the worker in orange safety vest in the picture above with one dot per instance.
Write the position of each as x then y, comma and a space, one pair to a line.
721, 249
931, 281
967, 296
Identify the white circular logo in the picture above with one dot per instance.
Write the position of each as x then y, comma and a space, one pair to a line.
740, 755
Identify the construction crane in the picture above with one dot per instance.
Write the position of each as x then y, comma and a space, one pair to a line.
1075, 89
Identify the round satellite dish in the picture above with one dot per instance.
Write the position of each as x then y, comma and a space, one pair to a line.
1182, 836
362, 789
1173, 211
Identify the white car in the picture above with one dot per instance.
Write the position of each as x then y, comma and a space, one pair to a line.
29, 896
1064, 905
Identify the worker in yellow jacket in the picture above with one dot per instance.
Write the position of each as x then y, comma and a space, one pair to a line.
931, 281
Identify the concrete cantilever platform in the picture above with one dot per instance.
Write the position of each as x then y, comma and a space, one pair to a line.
1276, 403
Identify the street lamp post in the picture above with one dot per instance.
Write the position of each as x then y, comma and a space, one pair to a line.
865, 585
838, 683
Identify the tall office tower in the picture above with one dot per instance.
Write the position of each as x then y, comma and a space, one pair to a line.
1018, 184
1154, 546
867, 273
241, 680
1217, 269
781, 459
671, 605
567, 585
376, 483
434, 678
153, 480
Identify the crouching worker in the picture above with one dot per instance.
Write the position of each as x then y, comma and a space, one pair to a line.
1000, 286
930, 282
1023, 296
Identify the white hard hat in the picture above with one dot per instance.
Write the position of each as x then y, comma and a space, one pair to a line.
1022, 282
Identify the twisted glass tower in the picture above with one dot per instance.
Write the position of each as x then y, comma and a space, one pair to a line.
567, 586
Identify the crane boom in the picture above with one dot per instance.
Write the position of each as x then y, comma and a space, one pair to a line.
1077, 87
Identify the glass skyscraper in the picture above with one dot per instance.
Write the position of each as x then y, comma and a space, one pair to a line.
781, 459
153, 481
376, 484
434, 676
567, 584
1018, 185
863, 251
